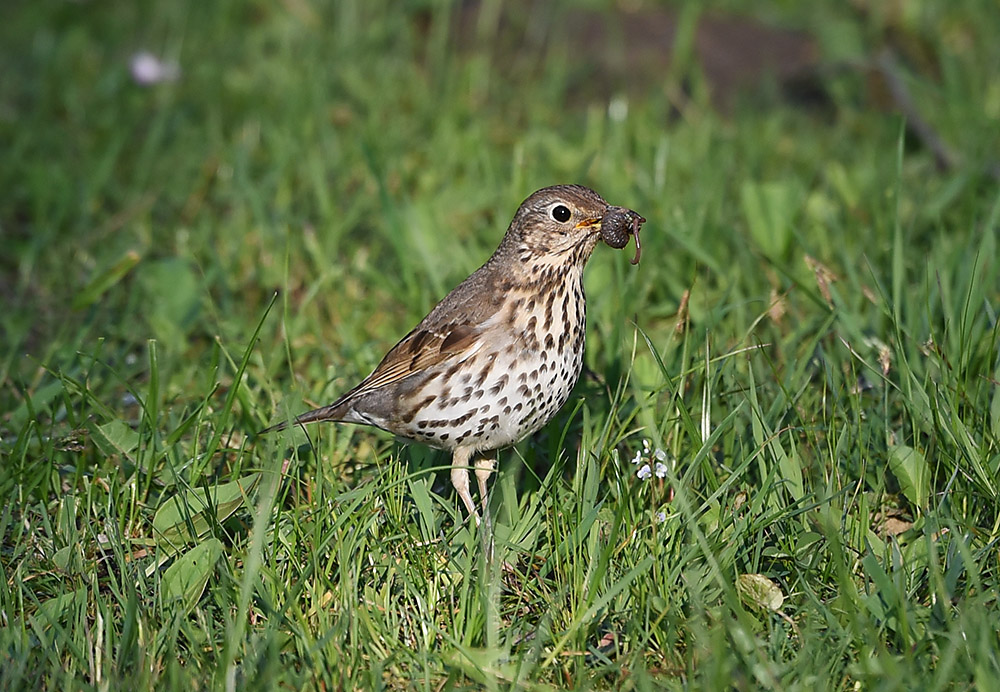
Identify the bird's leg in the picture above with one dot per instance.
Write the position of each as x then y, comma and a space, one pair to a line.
460, 479
484, 467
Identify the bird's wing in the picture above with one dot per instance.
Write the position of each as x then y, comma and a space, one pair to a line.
421, 349
429, 344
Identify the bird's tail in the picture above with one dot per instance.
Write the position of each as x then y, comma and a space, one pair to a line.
334, 412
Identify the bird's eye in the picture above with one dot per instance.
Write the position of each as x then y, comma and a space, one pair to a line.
561, 213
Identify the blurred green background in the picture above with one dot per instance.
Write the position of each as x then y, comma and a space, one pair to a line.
810, 341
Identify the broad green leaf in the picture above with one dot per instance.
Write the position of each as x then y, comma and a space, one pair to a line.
52, 611
115, 437
170, 524
173, 294
910, 469
770, 210
70, 559
185, 580
807, 542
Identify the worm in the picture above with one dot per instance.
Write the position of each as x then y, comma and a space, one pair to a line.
618, 224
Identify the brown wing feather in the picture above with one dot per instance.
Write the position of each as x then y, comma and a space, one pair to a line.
419, 350
437, 338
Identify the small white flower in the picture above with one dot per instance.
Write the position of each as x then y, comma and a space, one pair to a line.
661, 516
650, 454
147, 69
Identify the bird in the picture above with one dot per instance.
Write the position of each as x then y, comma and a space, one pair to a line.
498, 356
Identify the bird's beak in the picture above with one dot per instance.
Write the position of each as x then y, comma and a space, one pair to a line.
592, 224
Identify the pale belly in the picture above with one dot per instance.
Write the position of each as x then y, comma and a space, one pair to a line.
515, 383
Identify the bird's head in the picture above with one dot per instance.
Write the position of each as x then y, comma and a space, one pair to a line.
565, 222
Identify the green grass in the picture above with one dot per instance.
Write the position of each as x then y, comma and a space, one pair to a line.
827, 402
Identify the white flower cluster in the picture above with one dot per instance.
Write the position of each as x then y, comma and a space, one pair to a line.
651, 460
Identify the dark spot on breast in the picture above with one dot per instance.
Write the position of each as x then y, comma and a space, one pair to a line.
547, 324
412, 412
458, 421
500, 384
485, 372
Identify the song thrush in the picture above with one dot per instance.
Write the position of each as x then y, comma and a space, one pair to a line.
494, 360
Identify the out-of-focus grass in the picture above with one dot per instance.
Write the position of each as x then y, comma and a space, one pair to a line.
825, 406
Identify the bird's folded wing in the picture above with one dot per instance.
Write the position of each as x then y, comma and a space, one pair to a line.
421, 349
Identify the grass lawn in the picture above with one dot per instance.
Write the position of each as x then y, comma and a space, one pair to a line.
780, 470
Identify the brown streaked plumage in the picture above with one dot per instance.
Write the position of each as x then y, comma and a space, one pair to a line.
494, 360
